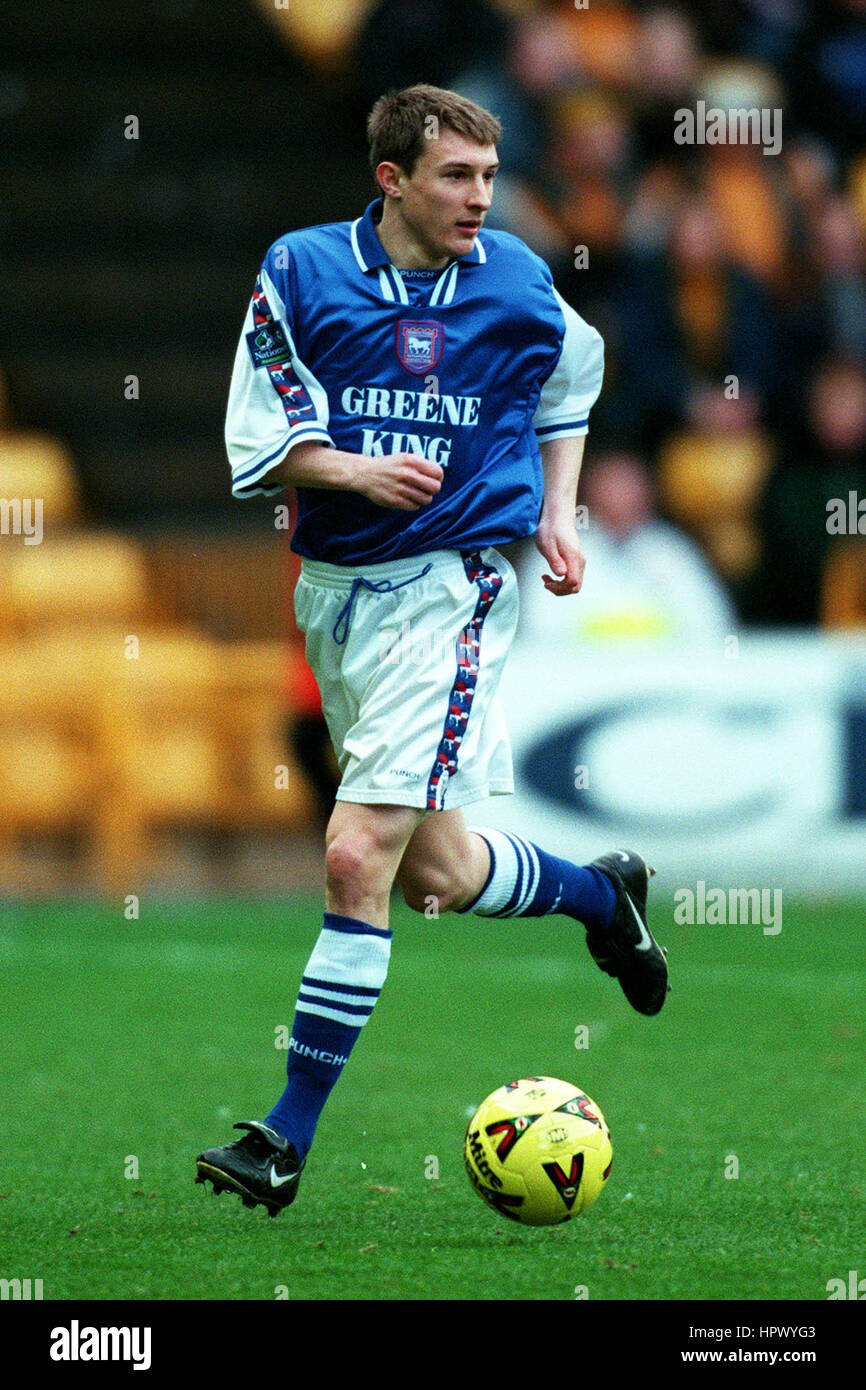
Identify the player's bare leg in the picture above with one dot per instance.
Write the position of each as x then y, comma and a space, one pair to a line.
364, 847
443, 860
340, 986
502, 875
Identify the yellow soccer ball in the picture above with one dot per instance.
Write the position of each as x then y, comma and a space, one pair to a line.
538, 1151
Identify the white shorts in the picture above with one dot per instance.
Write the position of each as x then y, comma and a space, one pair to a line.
408, 656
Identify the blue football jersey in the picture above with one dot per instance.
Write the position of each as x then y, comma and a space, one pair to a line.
470, 366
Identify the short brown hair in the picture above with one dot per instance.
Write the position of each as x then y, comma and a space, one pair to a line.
399, 125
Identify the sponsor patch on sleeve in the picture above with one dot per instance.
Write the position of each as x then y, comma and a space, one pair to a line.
268, 345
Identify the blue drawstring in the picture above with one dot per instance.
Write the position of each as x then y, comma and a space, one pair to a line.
384, 586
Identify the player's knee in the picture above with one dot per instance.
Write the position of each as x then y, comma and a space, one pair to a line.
355, 860
346, 861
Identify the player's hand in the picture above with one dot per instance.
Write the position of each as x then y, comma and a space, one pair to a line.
560, 545
403, 481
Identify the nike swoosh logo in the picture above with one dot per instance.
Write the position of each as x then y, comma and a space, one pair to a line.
278, 1182
622, 854
645, 943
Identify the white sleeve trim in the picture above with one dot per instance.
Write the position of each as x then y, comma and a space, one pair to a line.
575, 382
259, 429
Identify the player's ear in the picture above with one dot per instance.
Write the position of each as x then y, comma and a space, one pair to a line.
390, 176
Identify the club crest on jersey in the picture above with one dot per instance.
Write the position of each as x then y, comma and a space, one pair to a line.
419, 345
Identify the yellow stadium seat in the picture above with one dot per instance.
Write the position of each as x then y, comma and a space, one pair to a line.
119, 740
323, 30
196, 741
40, 467
843, 587
711, 483
49, 759
72, 578
857, 188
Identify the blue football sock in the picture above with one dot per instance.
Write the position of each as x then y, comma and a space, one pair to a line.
340, 986
526, 881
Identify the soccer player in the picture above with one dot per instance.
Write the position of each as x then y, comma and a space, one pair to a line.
424, 388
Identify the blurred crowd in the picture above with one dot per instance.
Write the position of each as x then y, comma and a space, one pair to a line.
728, 282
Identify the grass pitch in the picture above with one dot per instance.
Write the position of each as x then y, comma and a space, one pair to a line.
131, 1045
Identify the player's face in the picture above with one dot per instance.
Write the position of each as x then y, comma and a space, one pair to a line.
444, 201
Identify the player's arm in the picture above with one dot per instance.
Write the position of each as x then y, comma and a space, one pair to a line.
403, 481
561, 423
277, 418
556, 536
